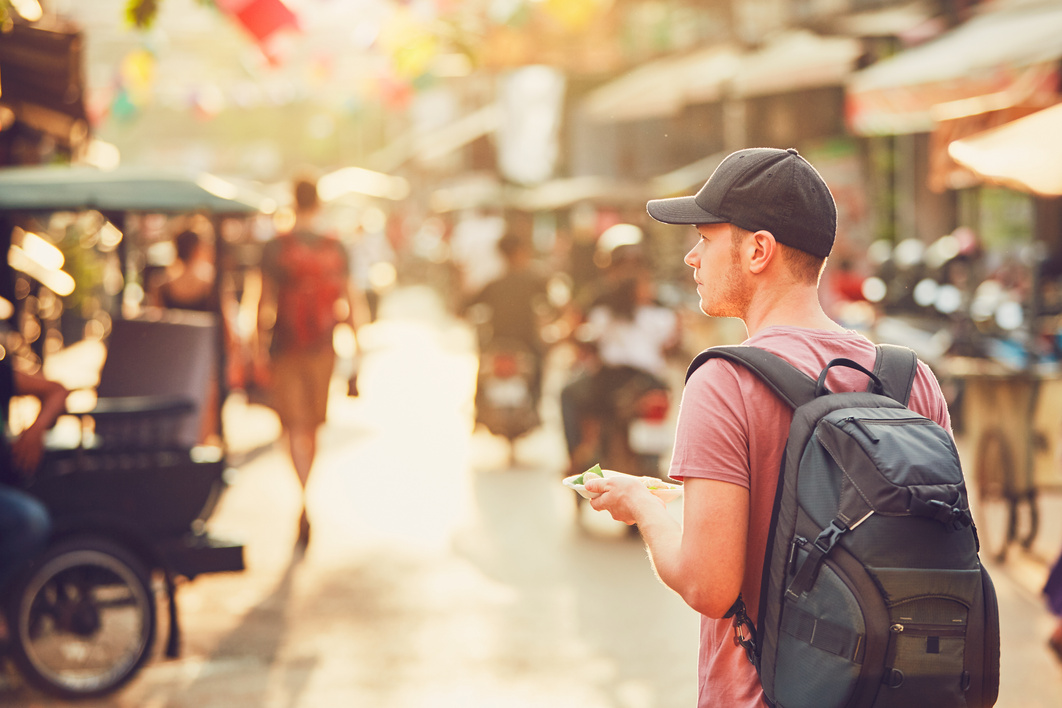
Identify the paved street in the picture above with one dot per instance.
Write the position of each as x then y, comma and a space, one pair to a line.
437, 577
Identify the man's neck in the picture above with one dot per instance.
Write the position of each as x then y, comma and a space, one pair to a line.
794, 308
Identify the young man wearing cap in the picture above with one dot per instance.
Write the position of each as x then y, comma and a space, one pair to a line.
766, 223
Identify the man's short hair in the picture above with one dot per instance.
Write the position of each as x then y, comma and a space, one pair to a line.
803, 266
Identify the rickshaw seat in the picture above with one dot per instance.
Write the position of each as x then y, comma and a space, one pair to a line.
167, 360
137, 465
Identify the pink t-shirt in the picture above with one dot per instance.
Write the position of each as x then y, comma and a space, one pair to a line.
732, 428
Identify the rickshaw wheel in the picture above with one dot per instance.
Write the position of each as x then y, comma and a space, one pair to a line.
83, 621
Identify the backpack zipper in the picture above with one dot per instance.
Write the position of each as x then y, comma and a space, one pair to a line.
863, 424
858, 423
935, 630
798, 542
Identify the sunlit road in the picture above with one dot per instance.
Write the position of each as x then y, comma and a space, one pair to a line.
440, 577
436, 575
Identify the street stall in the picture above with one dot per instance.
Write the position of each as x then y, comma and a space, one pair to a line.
1013, 415
130, 494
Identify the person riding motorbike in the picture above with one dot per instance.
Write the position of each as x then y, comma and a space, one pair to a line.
516, 303
629, 335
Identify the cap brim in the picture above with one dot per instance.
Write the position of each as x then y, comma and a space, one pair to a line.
681, 210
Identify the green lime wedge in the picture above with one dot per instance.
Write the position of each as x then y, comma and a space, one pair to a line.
595, 470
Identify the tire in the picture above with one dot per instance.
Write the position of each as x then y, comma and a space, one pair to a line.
83, 620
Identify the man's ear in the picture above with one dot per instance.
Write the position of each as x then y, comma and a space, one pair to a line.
764, 250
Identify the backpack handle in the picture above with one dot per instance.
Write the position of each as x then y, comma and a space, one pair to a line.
820, 385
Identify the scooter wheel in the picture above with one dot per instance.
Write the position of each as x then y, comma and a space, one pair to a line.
83, 620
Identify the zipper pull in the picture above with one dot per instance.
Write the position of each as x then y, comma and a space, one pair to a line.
798, 542
866, 430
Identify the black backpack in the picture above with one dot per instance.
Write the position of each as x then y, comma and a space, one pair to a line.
873, 594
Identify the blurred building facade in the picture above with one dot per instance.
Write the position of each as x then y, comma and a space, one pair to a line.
565, 115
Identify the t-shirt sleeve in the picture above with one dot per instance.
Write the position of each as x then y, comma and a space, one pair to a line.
927, 398
711, 435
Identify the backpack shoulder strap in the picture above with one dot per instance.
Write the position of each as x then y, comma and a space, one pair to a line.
792, 385
896, 366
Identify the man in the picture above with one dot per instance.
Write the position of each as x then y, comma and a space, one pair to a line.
306, 291
766, 223
24, 522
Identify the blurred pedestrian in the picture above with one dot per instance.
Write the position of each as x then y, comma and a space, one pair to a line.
765, 223
24, 522
188, 282
306, 291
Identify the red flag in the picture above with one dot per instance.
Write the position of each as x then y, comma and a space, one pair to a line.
262, 18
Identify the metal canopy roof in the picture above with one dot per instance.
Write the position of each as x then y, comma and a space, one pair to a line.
48, 187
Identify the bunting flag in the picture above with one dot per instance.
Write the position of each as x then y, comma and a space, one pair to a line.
574, 14
410, 44
261, 18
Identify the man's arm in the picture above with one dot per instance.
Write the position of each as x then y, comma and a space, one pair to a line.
265, 319
703, 559
27, 449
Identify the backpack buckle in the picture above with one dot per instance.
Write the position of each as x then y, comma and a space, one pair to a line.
826, 540
952, 517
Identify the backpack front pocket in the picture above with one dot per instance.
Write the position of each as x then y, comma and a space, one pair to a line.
925, 663
821, 643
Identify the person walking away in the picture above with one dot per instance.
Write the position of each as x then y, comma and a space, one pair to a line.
24, 522
765, 223
306, 291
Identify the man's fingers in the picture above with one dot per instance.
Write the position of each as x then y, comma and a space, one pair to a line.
595, 484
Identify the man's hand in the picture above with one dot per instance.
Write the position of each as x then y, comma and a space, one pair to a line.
624, 497
27, 450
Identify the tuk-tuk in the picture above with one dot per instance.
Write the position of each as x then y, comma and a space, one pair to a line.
130, 495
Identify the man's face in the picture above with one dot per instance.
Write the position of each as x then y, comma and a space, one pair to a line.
716, 262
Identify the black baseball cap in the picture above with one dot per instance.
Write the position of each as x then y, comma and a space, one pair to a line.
761, 189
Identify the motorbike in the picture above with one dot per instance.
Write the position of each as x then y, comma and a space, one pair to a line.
506, 399
637, 433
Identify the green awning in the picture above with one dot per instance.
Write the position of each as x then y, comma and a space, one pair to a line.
137, 189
